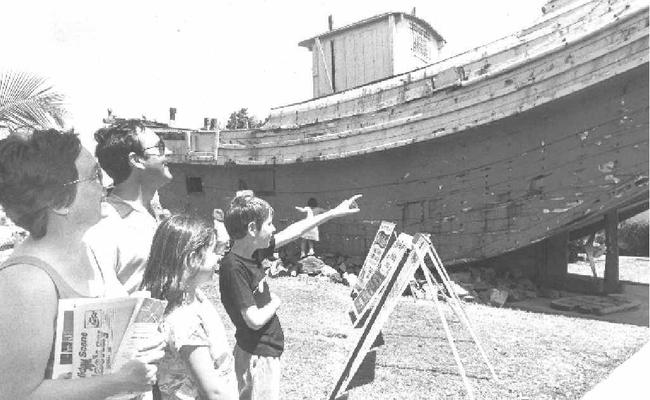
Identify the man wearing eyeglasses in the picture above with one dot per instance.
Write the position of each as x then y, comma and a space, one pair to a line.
135, 158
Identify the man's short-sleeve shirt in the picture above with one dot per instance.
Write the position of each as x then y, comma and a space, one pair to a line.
121, 240
242, 285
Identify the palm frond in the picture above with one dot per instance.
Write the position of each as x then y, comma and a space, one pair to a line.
27, 101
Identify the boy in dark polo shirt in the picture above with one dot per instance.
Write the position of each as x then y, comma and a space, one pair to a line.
246, 296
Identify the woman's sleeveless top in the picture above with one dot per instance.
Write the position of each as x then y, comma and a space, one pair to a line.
63, 290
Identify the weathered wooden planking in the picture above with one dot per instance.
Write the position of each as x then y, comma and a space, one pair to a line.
488, 106
492, 171
491, 61
463, 118
546, 33
400, 83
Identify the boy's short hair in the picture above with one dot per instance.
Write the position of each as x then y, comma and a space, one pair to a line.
244, 210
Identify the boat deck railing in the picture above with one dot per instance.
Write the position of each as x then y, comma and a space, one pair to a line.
195, 156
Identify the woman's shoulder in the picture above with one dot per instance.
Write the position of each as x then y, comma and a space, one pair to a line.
24, 283
15, 273
62, 271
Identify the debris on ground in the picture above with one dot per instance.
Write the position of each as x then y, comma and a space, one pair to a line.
311, 265
275, 267
498, 297
599, 305
332, 267
491, 286
328, 271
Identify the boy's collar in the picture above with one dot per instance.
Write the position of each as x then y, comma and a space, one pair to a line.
246, 250
245, 257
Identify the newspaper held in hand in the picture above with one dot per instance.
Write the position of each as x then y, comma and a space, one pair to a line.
96, 336
144, 323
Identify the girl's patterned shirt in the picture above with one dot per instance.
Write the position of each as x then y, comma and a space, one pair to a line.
194, 324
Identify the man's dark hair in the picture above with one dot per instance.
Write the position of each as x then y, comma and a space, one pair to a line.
114, 144
244, 210
34, 170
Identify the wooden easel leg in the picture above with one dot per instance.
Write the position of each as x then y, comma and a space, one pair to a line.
446, 281
457, 307
461, 369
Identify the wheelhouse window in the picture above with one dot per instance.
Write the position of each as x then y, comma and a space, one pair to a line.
421, 38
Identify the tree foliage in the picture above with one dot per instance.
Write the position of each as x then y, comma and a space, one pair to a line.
241, 120
27, 101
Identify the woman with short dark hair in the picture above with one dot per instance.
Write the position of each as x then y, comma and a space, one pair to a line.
51, 186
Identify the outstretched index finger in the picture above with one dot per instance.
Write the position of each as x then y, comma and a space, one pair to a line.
355, 197
353, 201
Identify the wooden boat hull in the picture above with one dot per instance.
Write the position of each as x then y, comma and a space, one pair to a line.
480, 192
544, 147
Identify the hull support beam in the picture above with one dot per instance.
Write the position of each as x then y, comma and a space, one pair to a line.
556, 260
612, 284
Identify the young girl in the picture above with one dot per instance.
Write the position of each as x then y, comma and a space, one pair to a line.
308, 238
198, 363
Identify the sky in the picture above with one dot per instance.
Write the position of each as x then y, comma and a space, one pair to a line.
207, 58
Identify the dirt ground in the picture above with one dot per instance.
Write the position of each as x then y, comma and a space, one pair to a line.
634, 276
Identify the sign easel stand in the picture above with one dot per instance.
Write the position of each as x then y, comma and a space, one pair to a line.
450, 338
386, 274
455, 302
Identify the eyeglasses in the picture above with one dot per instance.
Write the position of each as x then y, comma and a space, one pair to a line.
160, 146
96, 176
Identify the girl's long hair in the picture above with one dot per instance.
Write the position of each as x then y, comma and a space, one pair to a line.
175, 257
